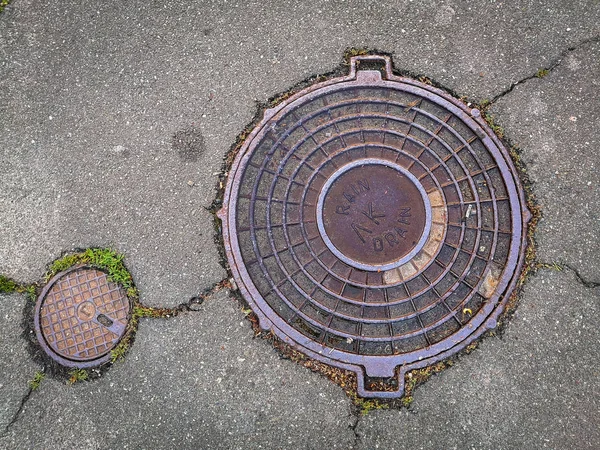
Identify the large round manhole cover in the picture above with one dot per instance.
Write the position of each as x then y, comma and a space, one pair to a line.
374, 223
80, 317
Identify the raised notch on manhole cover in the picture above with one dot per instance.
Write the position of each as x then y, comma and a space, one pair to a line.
80, 316
374, 223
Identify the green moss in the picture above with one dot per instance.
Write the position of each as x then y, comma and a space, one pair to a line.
77, 375
7, 285
31, 292
103, 258
37, 380
3, 4
407, 401
120, 350
63, 264
365, 406
354, 51
140, 311
496, 128
542, 73
112, 262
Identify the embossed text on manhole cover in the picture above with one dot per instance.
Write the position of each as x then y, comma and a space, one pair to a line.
374, 223
80, 317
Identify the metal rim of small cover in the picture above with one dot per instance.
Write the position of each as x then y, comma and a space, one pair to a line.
80, 316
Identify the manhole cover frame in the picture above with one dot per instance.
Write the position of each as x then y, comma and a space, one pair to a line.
381, 366
41, 339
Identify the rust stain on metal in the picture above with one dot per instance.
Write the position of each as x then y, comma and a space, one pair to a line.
490, 282
365, 214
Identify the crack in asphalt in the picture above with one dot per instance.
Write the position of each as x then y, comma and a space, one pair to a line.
558, 267
194, 303
357, 418
19, 411
587, 283
556, 63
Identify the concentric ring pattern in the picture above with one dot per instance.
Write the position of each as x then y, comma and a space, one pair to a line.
309, 283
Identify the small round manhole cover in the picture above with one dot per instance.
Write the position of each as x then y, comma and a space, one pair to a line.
374, 223
80, 317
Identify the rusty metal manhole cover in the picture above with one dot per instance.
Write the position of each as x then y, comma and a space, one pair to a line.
80, 316
374, 223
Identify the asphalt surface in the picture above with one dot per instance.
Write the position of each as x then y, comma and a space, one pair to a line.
114, 121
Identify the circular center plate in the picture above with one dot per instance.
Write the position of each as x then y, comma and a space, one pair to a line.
374, 215
81, 316
375, 224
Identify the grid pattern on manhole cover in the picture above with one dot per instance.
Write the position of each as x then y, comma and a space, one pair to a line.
80, 316
374, 223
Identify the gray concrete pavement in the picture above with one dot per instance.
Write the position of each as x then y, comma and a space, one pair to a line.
555, 119
199, 380
115, 118
17, 366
